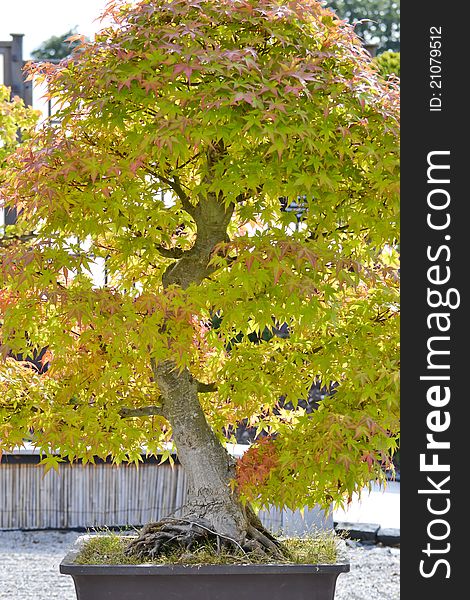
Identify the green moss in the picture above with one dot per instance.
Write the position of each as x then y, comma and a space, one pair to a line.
322, 548
105, 549
108, 548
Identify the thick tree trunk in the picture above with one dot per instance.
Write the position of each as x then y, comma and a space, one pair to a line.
208, 466
212, 511
212, 507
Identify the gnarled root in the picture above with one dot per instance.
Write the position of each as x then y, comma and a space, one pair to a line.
187, 534
176, 534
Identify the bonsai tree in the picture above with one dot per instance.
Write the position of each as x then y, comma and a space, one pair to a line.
181, 128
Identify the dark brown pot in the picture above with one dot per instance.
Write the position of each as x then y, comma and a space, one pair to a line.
208, 582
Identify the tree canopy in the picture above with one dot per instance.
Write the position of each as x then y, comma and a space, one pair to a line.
180, 128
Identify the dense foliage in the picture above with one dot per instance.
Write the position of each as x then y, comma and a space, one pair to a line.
181, 126
15, 117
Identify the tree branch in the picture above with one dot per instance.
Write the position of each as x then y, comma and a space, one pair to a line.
144, 411
170, 252
6, 239
241, 198
178, 166
205, 388
175, 185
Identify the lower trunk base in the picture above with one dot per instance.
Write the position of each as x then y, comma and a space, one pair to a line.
188, 534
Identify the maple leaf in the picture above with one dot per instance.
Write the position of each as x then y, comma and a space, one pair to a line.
51, 462
186, 68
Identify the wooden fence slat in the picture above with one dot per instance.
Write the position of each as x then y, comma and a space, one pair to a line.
100, 495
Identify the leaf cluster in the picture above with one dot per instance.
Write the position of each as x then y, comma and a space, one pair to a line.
15, 118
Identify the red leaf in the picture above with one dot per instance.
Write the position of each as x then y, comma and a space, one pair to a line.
186, 69
75, 37
278, 271
249, 262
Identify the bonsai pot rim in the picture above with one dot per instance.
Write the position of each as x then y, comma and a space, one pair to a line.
68, 566
201, 582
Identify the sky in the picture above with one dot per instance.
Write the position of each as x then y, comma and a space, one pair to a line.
41, 19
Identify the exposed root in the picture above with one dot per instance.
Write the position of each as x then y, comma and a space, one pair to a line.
177, 534
258, 541
187, 535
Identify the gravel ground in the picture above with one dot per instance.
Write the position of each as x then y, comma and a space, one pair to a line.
375, 570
